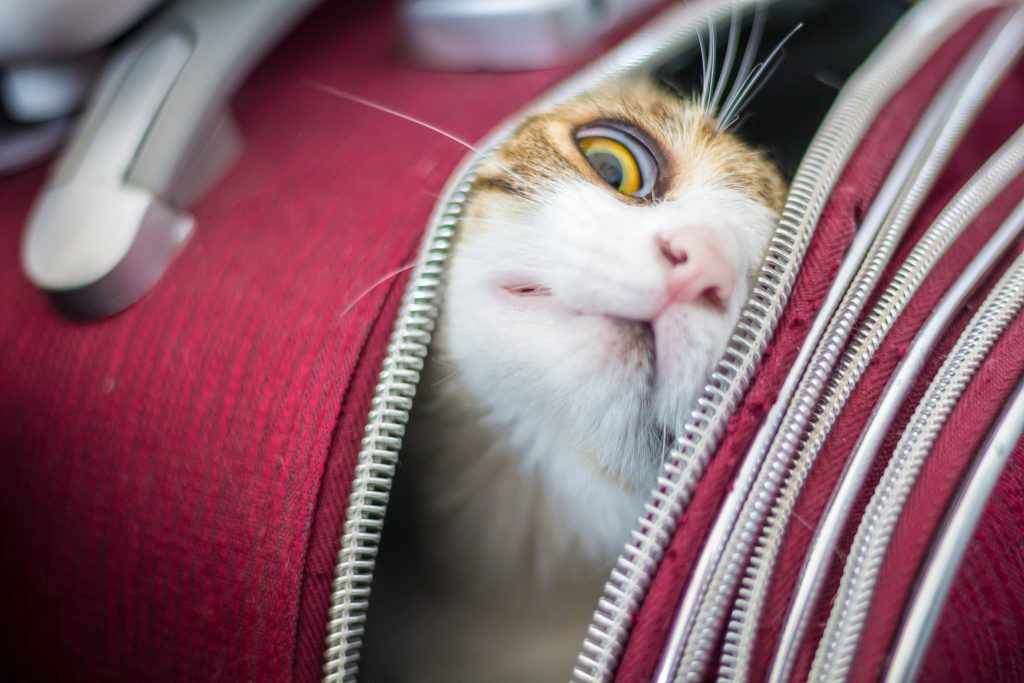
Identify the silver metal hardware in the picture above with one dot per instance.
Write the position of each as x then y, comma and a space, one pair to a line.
941, 567
155, 136
43, 30
997, 172
510, 34
843, 632
34, 93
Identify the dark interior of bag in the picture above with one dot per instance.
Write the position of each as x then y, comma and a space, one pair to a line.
836, 36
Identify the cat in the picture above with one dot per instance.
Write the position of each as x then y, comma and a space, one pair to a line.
601, 263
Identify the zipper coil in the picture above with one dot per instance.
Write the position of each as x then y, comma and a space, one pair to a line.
797, 449
964, 208
741, 521
923, 615
843, 632
849, 119
998, 171
371, 484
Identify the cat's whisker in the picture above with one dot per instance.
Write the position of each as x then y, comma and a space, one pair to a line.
704, 74
753, 83
666, 444
331, 90
434, 358
749, 53
677, 437
337, 92
730, 113
762, 81
444, 379
712, 56
384, 278
730, 55
829, 80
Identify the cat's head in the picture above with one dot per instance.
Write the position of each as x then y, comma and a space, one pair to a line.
603, 258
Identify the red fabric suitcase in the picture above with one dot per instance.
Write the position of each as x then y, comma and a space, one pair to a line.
175, 477
183, 483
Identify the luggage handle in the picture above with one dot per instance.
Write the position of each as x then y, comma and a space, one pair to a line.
155, 136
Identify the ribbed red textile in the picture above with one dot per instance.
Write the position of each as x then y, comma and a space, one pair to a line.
850, 200
996, 123
980, 635
936, 485
847, 428
173, 480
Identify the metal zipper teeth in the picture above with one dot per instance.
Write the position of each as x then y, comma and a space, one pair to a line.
408, 345
845, 125
389, 413
730, 510
845, 625
733, 562
961, 212
827, 534
941, 567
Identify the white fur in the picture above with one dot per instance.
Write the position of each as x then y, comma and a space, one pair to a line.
541, 423
559, 388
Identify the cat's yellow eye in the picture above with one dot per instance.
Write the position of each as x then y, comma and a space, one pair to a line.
621, 160
613, 162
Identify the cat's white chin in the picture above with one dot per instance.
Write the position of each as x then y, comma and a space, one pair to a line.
566, 342
669, 352
590, 418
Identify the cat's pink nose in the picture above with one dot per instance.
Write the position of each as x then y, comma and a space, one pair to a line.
700, 269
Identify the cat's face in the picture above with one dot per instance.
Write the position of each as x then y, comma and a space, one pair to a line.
602, 262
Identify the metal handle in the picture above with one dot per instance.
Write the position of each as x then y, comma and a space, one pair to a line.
154, 137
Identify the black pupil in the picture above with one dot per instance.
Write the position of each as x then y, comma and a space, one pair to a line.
608, 167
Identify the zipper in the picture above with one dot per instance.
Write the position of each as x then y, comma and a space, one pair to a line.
845, 624
941, 567
827, 534
393, 399
410, 339
730, 510
731, 556
987, 67
389, 412
675, 28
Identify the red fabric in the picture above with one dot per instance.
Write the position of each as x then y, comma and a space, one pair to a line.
173, 480
980, 635
935, 487
839, 446
847, 205
995, 124
834, 571
848, 427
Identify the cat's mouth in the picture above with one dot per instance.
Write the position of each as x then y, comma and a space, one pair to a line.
526, 289
711, 298
537, 297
